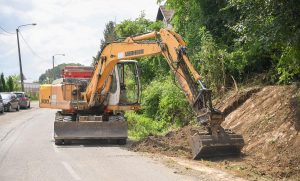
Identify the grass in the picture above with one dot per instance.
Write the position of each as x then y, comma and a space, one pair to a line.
141, 126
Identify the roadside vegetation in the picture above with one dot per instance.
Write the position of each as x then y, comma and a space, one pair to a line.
229, 42
10, 83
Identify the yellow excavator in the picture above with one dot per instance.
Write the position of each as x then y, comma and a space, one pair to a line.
94, 108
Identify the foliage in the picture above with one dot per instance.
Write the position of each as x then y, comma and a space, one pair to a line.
137, 26
289, 64
254, 37
109, 35
3, 83
164, 101
34, 97
269, 32
151, 67
163, 106
212, 61
10, 84
141, 126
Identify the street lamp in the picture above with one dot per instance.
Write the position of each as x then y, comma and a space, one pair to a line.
19, 52
53, 63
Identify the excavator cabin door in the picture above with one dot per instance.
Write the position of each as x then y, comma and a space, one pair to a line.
125, 91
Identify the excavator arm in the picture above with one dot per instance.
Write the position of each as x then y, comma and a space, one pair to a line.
173, 48
87, 111
216, 141
165, 42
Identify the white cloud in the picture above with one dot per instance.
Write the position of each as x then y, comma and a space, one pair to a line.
73, 27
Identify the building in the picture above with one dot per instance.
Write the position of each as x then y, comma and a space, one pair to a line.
31, 88
165, 15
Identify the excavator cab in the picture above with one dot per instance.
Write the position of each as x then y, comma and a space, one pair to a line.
125, 89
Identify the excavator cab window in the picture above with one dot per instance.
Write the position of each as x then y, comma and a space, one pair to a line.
129, 81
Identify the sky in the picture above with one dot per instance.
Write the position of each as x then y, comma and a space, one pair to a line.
71, 27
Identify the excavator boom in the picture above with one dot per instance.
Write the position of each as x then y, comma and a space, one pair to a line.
98, 95
216, 141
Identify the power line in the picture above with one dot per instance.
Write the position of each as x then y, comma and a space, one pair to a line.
6, 31
31, 49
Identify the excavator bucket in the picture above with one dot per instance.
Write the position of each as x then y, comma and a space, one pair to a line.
216, 141
206, 146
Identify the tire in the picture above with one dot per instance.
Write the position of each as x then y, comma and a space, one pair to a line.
18, 108
2, 110
28, 107
58, 142
122, 141
9, 108
67, 142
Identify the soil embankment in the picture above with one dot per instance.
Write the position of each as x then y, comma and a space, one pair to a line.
269, 120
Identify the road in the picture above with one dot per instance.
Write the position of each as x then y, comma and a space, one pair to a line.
28, 152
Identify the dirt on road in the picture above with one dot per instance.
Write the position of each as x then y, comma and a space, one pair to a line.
269, 120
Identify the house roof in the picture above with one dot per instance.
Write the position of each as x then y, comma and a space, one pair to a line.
164, 13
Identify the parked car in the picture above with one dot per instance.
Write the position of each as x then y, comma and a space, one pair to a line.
1, 105
24, 99
10, 101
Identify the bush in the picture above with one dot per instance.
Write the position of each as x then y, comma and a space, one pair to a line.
141, 126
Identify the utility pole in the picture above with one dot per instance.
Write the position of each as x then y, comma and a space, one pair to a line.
20, 61
53, 75
19, 52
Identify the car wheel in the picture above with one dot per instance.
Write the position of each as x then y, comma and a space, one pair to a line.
122, 141
2, 110
58, 142
28, 105
9, 109
18, 108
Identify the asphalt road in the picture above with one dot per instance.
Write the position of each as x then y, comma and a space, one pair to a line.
28, 152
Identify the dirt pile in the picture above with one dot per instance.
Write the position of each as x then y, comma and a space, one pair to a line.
269, 120
174, 143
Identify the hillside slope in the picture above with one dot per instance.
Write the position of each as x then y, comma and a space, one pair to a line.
269, 120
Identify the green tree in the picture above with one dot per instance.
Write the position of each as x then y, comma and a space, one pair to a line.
138, 26
151, 67
1, 85
257, 37
16, 79
109, 35
270, 35
10, 84
4, 88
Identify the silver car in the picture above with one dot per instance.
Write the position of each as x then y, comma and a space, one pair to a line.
1, 105
10, 101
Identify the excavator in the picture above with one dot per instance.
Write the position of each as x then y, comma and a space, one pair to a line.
94, 108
